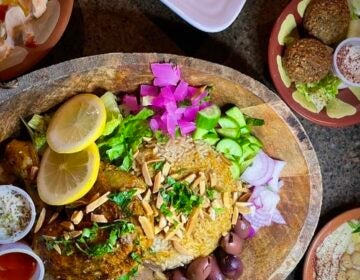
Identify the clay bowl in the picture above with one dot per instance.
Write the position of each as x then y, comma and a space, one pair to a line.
310, 261
294, 12
276, 250
34, 55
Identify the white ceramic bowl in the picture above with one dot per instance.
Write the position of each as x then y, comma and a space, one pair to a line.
207, 15
350, 41
19, 247
30, 204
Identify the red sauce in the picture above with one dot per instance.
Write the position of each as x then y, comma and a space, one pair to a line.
17, 266
3, 10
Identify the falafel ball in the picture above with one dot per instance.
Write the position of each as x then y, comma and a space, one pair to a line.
327, 20
307, 60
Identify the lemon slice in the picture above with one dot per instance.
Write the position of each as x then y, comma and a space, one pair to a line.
64, 178
76, 124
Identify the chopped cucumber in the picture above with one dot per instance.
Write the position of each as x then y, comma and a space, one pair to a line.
233, 133
237, 115
208, 118
245, 164
229, 146
211, 139
254, 140
199, 133
244, 130
248, 152
235, 170
255, 148
227, 122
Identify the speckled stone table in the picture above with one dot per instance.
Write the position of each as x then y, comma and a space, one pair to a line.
102, 26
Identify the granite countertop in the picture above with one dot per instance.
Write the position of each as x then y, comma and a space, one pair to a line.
102, 26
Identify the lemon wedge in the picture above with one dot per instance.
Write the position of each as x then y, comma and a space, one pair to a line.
76, 124
64, 178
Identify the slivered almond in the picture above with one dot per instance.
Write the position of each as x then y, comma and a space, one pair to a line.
183, 219
135, 154
66, 235
213, 179
202, 189
179, 234
243, 207
212, 214
159, 275
235, 216
94, 197
166, 169
157, 182
171, 233
75, 233
243, 204
159, 201
190, 178
49, 237
192, 221
196, 182
147, 195
217, 203
154, 160
147, 139
178, 247
98, 218
201, 214
147, 208
53, 217
67, 225
147, 227
97, 202
157, 230
235, 196
33, 172
77, 217
162, 222
245, 197
40, 220
166, 229
57, 248
156, 212
146, 174
226, 200
206, 202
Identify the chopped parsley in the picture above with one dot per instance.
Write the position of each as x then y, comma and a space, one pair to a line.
210, 193
84, 243
129, 275
355, 226
158, 165
179, 196
122, 199
135, 256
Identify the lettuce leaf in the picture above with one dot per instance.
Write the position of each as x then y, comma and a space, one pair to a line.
37, 127
320, 93
113, 115
118, 146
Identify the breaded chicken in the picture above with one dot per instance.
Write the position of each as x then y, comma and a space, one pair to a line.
327, 20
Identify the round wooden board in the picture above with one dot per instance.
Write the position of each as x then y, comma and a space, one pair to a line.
276, 250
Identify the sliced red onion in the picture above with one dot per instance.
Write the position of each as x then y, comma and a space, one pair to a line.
130, 102
257, 170
268, 174
274, 181
186, 127
278, 218
165, 74
148, 90
181, 91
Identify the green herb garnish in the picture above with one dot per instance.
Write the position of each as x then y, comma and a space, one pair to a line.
158, 165
135, 256
130, 274
122, 199
210, 193
355, 226
84, 243
179, 196
165, 210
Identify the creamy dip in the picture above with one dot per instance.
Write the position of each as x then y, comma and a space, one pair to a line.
348, 62
329, 253
15, 213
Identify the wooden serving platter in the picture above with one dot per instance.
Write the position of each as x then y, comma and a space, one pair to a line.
276, 250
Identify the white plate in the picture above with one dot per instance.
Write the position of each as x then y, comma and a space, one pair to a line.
207, 15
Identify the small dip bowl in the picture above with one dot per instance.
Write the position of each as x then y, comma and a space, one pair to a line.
346, 62
17, 214
21, 248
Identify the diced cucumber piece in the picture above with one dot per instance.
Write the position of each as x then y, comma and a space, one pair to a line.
229, 147
254, 140
233, 133
244, 130
237, 115
200, 133
208, 118
245, 165
211, 139
248, 152
235, 170
255, 148
244, 142
227, 122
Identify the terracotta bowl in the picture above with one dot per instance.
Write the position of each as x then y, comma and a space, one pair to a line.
36, 54
296, 10
276, 250
310, 261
